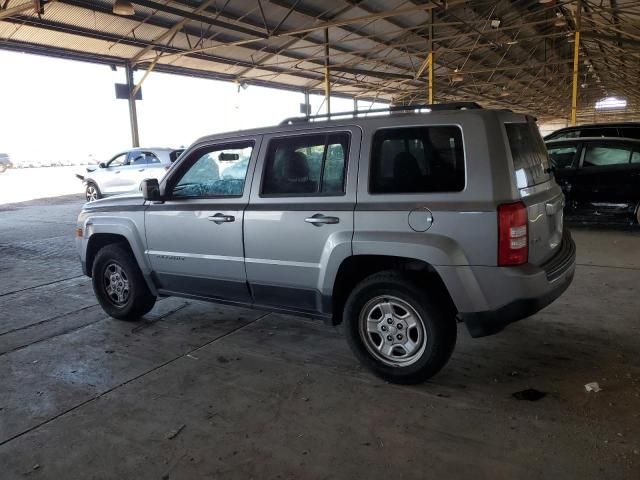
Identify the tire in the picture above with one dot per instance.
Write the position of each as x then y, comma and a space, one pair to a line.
422, 333
115, 270
3, 168
92, 192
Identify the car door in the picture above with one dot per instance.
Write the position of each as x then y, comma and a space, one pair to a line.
155, 168
110, 180
564, 158
608, 163
133, 172
194, 237
299, 223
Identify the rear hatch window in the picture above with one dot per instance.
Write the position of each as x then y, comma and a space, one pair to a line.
530, 160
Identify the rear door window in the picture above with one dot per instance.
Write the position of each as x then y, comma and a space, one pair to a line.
603, 156
530, 159
417, 160
630, 132
151, 158
306, 165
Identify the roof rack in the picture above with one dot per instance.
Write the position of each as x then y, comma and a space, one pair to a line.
396, 108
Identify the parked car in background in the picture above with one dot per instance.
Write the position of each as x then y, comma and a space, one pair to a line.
393, 225
627, 130
5, 162
600, 178
124, 172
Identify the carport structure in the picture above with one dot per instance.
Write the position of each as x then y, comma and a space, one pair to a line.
553, 58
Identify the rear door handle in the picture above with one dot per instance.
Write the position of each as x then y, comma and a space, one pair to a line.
219, 218
318, 220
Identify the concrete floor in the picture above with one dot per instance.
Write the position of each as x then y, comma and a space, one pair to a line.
203, 391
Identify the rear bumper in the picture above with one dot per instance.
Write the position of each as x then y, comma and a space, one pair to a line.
532, 288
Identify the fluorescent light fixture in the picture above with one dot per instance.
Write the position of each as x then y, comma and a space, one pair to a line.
610, 103
457, 76
123, 7
512, 42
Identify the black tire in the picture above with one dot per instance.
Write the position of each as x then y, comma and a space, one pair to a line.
439, 323
92, 192
139, 300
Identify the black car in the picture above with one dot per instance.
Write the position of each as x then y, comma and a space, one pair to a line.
626, 129
600, 178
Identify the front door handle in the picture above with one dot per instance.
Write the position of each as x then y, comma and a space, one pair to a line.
141, 170
318, 220
219, 218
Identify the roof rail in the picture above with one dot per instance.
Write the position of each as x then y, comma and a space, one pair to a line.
396, 108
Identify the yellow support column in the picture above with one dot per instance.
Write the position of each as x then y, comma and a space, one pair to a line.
327, 77
576, 65
430, 78
430, 58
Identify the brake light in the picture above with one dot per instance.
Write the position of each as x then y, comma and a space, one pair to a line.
513, 238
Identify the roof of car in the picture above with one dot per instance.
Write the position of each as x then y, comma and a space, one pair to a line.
167, 149
599, 125
599, 139
347, 120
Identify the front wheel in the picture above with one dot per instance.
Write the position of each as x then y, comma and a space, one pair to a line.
396, 330
119, 285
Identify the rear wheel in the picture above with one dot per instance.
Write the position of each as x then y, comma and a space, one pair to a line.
92, 192
396, 330
119, 285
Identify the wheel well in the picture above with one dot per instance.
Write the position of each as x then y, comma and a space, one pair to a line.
356, 268
97, 241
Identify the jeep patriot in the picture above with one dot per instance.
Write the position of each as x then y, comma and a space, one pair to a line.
395, 226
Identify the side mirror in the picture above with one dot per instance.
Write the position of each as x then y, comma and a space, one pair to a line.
102, 165
151, 190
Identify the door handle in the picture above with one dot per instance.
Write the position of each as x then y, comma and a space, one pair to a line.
117, 171
318, 220
141, 170
219, 218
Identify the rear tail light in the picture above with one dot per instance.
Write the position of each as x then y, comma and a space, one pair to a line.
513, 238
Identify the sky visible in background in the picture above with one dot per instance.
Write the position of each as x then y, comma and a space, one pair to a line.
64, 110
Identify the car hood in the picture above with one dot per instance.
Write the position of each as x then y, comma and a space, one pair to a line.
115, 202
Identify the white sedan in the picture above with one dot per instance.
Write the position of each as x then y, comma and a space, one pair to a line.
124, 172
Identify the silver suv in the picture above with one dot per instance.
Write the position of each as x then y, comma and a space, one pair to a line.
393, 225
124, 172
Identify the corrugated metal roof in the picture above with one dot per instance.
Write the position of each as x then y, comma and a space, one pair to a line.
376, 47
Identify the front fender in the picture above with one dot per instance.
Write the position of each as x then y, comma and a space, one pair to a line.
131, 228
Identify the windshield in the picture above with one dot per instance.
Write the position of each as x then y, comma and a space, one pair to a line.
530, 160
